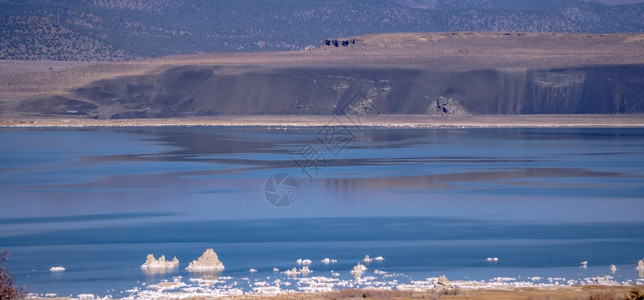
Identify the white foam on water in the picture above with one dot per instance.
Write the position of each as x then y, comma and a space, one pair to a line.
280, 283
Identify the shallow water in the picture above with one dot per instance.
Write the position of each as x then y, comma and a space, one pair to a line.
431, 201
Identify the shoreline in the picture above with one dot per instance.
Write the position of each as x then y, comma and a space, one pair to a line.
561, 292
598, 291
379, 121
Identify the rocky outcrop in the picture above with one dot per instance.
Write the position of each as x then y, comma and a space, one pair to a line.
358, 270
207, 262
305, 271
152, 263
442, 286
446, 107
640, 268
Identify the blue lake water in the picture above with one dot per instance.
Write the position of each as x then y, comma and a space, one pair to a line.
431, 201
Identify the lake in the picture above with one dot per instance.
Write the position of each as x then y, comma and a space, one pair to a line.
430, 201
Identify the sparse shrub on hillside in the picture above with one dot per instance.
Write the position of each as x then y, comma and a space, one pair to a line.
133, 29
635, 295
7, 288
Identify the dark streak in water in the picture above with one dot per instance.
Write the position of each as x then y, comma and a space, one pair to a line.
82, 218
330, 230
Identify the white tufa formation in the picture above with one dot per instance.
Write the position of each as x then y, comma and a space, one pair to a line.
329, 261
613, 269
305, 271
442, 285
367, 259
207, 262
640, 265
161, 263
358, 270
379, 258
292, 272
57, 269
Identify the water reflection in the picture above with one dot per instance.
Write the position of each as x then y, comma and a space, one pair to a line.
219, 172
428, 200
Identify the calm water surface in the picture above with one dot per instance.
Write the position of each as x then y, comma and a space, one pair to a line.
431, 201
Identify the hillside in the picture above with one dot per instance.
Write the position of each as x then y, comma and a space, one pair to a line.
448, 74
124, 30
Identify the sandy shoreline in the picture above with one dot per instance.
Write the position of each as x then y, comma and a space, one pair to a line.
572, 292
558, 292
387, 121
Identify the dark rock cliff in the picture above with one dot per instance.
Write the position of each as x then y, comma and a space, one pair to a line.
214, 90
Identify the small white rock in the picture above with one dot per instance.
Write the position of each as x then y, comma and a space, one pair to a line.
329, 261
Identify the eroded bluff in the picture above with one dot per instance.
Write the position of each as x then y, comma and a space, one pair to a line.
219, 90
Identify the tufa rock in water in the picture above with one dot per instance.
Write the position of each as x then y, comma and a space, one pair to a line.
305, 271
161, 263
640, 268
358, 270
207, 262
292, 272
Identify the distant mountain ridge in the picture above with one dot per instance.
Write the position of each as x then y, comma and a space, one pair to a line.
125, 30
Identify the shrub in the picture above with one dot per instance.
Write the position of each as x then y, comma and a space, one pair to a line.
635, 295
7, 289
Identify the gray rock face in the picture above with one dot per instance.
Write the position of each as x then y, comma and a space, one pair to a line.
447, 107
220, 90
